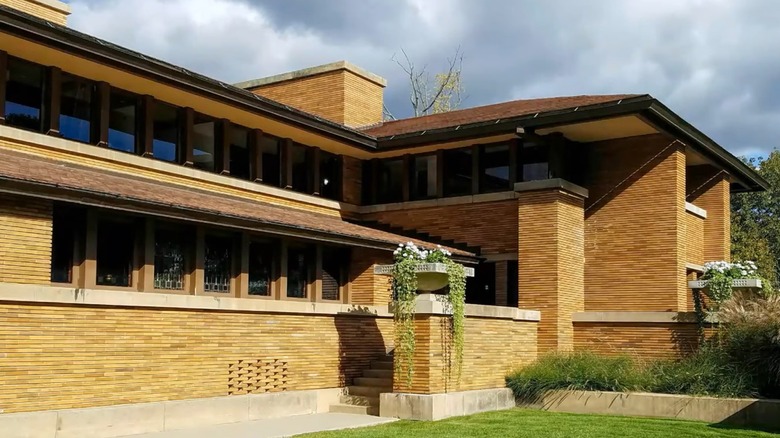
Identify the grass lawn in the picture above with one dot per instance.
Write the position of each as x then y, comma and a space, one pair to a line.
540, 424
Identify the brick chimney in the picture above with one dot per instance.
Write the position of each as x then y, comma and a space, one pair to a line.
51, 10
341, 92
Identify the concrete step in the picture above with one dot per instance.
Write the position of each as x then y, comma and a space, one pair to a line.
359, 400
379, 374
368, 391
381, 364
373, 381
352, 409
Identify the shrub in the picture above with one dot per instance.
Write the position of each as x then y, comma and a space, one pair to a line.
576, 371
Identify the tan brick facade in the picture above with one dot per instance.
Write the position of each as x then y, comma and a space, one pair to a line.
694, 239
59, 357
709, 188
551, 262
641, 340
635, 231
367, 288
25, 240
352, 180
52, 10
492, 349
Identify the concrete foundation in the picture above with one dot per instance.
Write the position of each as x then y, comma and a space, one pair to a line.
429, 407
121, 420
737, 412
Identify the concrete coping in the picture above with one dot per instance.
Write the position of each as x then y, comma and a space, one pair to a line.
433, 304
696, 211
100, 297
56, 5
440, 202
553, 183
638, 317
694, 267
312, 71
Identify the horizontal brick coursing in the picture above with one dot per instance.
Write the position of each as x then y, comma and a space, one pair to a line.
490, 225
60, 357
37, 9
352, 186
709, 188
639, 340
367, 288
25, 240
694, 239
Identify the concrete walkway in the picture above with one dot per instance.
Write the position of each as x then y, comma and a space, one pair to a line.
275, 427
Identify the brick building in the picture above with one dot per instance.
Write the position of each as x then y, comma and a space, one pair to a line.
165, 236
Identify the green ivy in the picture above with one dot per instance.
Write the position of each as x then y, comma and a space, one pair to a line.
457, 301
720, 276
404, 294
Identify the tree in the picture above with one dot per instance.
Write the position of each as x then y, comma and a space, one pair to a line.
431, 94
755, 220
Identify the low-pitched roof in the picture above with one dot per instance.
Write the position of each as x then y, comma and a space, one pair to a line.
485, 113
41, 173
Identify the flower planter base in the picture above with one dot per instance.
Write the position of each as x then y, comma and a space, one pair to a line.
430, 276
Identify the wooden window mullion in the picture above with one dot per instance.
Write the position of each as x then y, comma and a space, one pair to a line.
513, 164
222, 146
101, 112
313, 157
287, 163
185, 152
256, 154
3, 83
53, 101
145, 136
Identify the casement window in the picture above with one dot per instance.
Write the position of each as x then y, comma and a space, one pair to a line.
218, 264
271, 159
423, 177
204, 143
301, 168
67, 228
390, 180
239, 152
299, 268
24, 99
330, 176
535, 161
172, 260
166, 138
115, 252
458, 172
123, 121
262, 266
334, 265
76, 108
494, 168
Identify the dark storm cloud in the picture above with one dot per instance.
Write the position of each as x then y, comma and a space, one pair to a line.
714, 62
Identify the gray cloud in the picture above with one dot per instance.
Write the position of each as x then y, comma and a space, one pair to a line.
714, 62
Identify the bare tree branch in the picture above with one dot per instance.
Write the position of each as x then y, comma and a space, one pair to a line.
433, 94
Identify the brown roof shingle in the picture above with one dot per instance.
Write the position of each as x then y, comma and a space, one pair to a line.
22, 168
486, 113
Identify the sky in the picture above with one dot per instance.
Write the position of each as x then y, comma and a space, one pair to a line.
714, 62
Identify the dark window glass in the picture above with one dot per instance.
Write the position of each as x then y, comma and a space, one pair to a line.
64, 233
269, 147
297, 272
170, 258
76, 108
511, 284
299, 155
535, 159
424, 177
218, 268
123, 110
261, 265
481, 289
239, 152
166, 141
390, 181
203, 143
494, 168
457, 172
367, 183
330, 175
333, 262
24, 95
115, 247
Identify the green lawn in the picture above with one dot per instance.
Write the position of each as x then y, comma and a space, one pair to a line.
540, 424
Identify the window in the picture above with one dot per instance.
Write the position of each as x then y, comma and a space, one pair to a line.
239, 152
457, 172
390, 181
534, 159
203, 143
170, 257
24, 95
333, 262
300, 168
115, 249
330, 175
76, 108
166, 142
494, 168
122, 116
261, 268
65, 226
218, 269
424, 177
269, 147
297, 272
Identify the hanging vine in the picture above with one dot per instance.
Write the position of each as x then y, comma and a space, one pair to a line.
457, 300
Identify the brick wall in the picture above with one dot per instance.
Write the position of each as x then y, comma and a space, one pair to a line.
367, 288
25, 240
551, 268
489, 225
54, 11
60, 357
709, 188
492, 349
352, 180
501, 282
362, 101
694, 239
642, 340
634, 238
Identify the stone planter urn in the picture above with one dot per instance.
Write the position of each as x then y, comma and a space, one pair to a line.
430, 276
739, 284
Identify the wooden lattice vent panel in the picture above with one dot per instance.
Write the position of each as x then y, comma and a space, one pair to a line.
256, 376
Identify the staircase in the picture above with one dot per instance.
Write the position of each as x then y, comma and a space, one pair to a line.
363, 396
